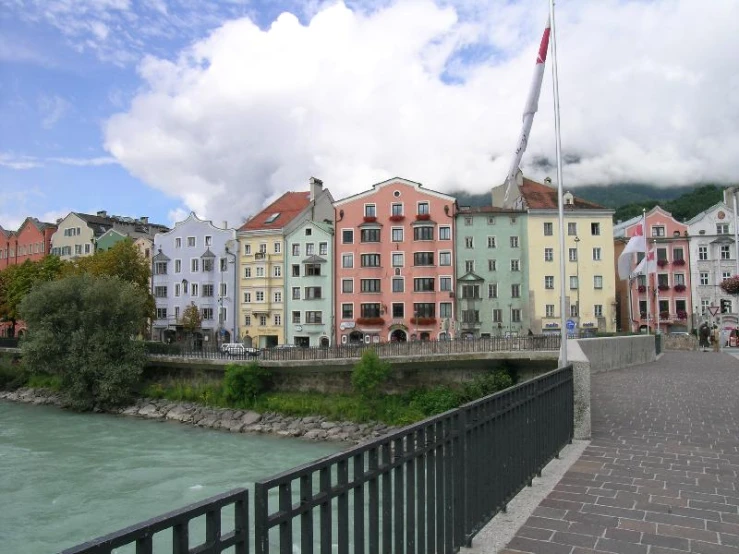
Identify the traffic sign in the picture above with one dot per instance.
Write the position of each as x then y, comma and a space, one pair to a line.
570, 325
713, 309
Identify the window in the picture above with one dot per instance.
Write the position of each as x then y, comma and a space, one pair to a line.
423, 258
296, 317
468, 221
549, 254
662, 254
369, 235
497, 315
160, 268
260, 272
277, 296
445, 258
572, 229
515, 291
704, 306
207, 313
598, 310
178, 242
263, 248
190, 242
445, 284
573, 310
492, 265
514, 242
471, 316
77, 249
678, 254
314, 317
396, 209
491, 242
194, 289
423, 284
370, 260
597, 281
469, 242
247, 272
370, 310
87, 249
247, 250
703, 253
308, 231
370, 285
312, 293
516, 315
370, 210
445, 233
470, 291
398, 310
548, 229
262, 320
347, 311
161, 313
397, 259
722, 228
322, 248
681, 306
549, 309
597, 254
424, 309
469, 266
573, 254
549, 282
573, 282
725, 253
259, 296
194, 265
445, 309
296, 293
312, 270
277, 271
207, 265
347, 236
160, 292
208, 291
493, 290
726, 306
347, 260
423, 208
178, 266
725, 275
704, 278
296, 249
658, 231
423, 233
295, 270
398, 284
277, 248
515, 265
247, 297
491, 220
595, 229
177, 312
397, 235
347, 286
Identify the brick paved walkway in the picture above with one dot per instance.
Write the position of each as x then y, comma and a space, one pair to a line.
661, 475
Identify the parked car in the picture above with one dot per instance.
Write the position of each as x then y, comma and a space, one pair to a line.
233, 348
286, 346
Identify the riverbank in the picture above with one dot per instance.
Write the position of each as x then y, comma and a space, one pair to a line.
313, 428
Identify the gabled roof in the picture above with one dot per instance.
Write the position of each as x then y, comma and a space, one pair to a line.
40, 225
207, 254
704, 213
279, 213
538, 196
314, 260
5, 233
160, 257
395, 180
470, 277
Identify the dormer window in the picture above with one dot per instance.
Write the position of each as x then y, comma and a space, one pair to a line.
568, 198
273, 217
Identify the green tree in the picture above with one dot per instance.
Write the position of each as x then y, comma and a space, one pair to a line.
191, 320
81, 328
369, 374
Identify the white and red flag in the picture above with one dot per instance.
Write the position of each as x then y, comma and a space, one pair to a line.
647, 265
637, 243
532, 104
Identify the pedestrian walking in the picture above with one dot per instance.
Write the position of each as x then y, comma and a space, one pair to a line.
703, 333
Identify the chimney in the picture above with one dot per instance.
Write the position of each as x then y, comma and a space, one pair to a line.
144, 219
102, 213
225, 224
316, 186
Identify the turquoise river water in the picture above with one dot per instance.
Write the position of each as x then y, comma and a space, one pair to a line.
66, 478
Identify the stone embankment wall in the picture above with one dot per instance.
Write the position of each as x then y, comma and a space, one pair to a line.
679, 342
235, 421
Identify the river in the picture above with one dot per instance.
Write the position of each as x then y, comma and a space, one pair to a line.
66, 478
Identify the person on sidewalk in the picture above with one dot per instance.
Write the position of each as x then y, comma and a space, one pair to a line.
703, 333
716, 338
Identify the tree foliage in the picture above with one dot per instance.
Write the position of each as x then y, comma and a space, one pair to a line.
369, 374
122, 260
191, 318
81, 328
16, 281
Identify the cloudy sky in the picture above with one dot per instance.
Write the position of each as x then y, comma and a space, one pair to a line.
159, 107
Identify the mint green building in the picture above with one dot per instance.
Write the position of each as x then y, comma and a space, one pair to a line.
492, 287
309, 306
108, 239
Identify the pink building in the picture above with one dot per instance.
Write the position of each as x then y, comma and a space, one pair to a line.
394, 256
662, 298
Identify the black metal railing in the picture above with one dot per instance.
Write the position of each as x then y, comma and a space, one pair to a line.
6, 342
383, 349
429, 487
178, 522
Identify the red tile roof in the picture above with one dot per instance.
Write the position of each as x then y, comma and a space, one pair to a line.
542, 197
289, 206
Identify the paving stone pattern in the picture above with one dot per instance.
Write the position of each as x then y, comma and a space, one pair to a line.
661, 475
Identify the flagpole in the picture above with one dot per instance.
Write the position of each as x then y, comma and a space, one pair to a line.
560, 192
656, 290
646, 255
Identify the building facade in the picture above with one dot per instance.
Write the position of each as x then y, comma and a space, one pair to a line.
492, 279
713, 255
309, 284
195, 264
32, 241
660, 300
262, 261
394, 264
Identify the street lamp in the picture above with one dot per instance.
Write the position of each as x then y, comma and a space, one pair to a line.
577, 276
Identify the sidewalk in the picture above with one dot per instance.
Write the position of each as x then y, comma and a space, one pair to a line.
661, 475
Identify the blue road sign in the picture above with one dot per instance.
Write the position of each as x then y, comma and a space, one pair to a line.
570, 325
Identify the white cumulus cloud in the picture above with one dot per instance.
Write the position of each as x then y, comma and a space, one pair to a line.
434, 93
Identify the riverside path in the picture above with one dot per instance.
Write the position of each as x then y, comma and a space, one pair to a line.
661, 474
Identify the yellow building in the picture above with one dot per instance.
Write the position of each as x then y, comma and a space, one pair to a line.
262, 262
589, 260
